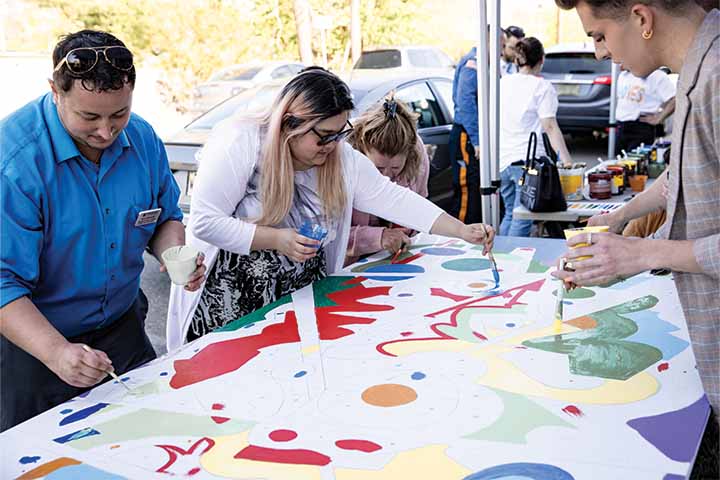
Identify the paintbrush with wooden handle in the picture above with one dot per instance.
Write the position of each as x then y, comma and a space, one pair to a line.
109, 372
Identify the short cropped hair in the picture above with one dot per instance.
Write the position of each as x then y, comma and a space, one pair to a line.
619, 8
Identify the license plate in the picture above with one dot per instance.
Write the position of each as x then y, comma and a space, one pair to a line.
568, 90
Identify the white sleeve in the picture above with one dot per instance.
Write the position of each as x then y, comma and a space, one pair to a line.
225, 166
547, 100
663, 86
376, 194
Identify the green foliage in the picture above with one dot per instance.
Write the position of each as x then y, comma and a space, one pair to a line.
188, 40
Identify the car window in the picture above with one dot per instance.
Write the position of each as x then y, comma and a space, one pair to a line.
281, 72
577, 63
424, 58
242, 73
253, 100
444, 87
295, 68
379, 59
421, 100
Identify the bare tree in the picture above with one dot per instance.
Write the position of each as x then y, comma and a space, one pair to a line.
303, 23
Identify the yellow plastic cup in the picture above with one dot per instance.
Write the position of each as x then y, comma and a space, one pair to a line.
571, 232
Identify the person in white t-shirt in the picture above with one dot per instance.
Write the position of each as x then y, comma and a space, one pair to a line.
261, 179
528, 103
642, 107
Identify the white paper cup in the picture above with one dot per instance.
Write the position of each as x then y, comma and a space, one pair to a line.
180, 262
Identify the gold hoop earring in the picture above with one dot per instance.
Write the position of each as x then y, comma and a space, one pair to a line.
647, 35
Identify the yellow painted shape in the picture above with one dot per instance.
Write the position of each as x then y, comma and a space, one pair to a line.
421, 463
220, 461
416, 346
504, 375
311, 349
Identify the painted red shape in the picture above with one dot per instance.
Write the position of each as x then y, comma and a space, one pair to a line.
663, 366
220, 420
411, 258
227, 356
196, 449
218, 406
360, 445
573, 410
406, 334
282, 435
480, 336
193, 471
234, 353
274, 455
441, 292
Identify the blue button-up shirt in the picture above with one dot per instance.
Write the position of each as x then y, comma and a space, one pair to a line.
465, 96
68, 235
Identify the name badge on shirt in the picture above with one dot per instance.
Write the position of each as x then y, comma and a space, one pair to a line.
146, 217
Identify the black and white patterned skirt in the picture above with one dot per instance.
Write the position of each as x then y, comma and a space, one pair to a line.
240, 284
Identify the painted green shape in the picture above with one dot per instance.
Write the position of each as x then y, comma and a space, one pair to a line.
601, 351
520, 416
151, 388
463, 331
577, 294
148, 423
537, 267
324, 287
385, 261
468, 264
256, 316
504, 257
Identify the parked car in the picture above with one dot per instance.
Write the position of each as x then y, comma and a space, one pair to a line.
429, 96
234, 79
405, 58
583, 86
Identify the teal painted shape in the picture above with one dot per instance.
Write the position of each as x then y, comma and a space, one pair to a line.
468, 264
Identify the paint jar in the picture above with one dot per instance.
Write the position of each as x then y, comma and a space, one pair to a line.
600, 184
571, 180
637, 182
617, 186
655, 169
571, 232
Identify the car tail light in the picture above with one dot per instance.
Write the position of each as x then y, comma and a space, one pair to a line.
603, 80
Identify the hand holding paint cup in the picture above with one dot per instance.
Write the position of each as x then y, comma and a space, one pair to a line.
571, 232
313, 230
180, 262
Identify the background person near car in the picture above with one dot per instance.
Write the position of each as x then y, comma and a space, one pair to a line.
260, 179
643, 104
387, 135
528, 103
507, 60
77, 171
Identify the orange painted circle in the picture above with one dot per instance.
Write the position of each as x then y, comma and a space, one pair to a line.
389, 395
478, 285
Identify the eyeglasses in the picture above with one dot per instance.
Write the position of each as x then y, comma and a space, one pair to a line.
516, 32
333, 137
82, 60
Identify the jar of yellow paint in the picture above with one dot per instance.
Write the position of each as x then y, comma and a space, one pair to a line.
571, 232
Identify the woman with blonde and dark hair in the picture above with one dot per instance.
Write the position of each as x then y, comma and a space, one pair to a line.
261, 179
387, 135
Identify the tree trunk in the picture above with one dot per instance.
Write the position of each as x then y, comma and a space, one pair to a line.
355, 31
303, 23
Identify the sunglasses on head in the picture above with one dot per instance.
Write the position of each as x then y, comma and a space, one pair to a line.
82, 60
516, 32
333, 137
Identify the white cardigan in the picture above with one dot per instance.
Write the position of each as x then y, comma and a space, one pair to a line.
226, 165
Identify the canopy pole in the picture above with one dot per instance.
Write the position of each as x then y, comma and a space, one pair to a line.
483, 113
494, 101
612, 140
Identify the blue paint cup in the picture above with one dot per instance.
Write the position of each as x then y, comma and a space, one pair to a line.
313, 230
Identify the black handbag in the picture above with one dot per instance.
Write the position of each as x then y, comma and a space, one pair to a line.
540, 188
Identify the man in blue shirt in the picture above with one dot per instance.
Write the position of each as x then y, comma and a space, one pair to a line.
86, 188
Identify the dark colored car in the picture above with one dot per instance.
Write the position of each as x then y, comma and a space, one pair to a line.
583, 86
429, 96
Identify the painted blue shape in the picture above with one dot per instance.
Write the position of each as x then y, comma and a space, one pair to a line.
656, 332
84, 471
249, 325
511, 325
672, 476
405, 295
299, 374
630, 282
85, 432
163, 374
396, 268
389, 278
66, 411
567, 302
125, 379
362, 260
26, 460
83, 414
525, 471
442, 251
417, 376
547, 250
84, 394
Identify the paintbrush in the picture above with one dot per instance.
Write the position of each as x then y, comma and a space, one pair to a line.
397, 254
557, 324
109, 372
496, 274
